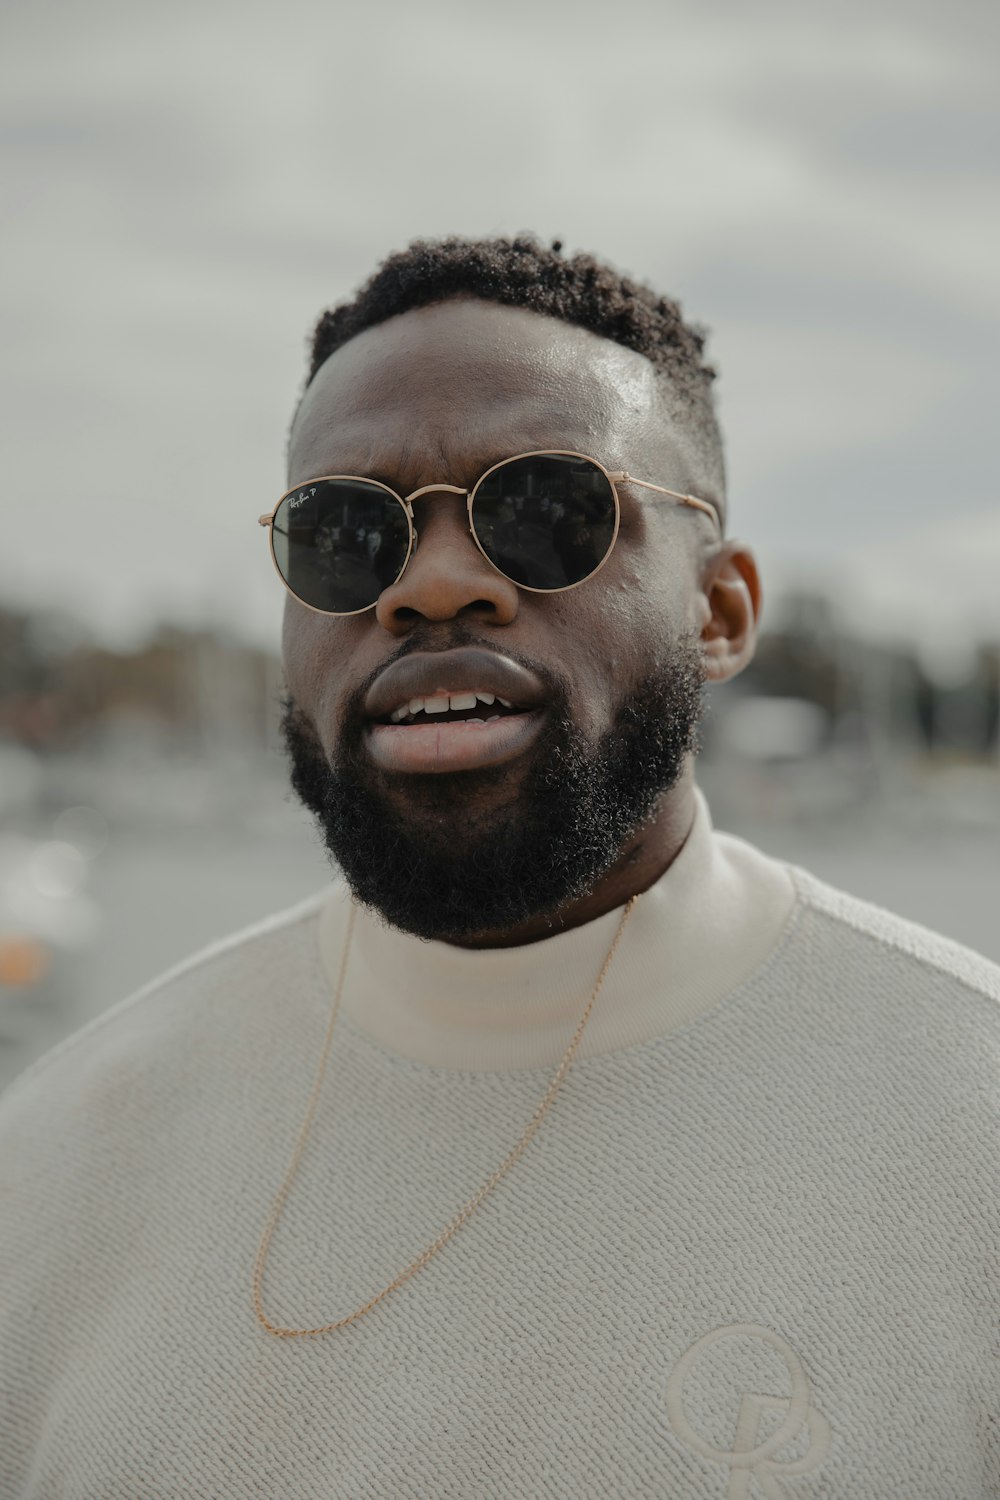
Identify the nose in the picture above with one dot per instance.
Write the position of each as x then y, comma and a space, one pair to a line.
447, 576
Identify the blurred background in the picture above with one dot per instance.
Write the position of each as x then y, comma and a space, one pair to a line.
187, 186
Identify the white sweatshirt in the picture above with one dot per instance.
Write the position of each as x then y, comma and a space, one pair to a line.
751, 1253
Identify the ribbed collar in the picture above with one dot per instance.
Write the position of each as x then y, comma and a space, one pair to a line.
711, 919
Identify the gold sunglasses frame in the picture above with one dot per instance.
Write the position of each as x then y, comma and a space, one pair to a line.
614, 478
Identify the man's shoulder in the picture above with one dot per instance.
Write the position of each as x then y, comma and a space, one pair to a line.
163, 1020
895, 944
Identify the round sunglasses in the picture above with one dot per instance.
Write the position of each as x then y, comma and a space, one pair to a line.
547, 521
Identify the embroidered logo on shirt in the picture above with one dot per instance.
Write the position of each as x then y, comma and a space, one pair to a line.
757, 1423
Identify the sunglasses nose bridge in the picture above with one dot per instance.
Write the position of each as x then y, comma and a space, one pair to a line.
434, 489
430, 489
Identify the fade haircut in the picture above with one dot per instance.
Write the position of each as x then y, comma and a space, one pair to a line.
522, 272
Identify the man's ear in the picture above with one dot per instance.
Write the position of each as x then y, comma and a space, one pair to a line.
729, 609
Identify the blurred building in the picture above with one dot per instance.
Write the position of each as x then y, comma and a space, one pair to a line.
183, 689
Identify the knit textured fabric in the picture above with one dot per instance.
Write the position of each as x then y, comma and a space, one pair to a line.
752, 1258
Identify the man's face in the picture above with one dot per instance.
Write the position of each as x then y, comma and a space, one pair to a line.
472, 830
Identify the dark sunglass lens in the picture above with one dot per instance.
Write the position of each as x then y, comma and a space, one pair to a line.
546, 522
339, 542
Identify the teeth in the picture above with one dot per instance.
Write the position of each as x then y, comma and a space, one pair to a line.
440, 703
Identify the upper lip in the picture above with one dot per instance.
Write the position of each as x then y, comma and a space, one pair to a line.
467, 669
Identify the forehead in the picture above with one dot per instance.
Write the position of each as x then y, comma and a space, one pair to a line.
463, 383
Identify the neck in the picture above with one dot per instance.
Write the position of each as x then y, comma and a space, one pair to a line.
643, 859
693, 937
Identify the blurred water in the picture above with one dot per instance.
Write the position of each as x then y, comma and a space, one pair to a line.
195, 850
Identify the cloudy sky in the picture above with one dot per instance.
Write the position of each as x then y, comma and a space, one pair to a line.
187, 185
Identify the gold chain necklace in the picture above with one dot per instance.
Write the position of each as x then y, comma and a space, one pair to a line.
463, 1213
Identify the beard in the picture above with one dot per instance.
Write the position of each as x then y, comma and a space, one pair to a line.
456, 856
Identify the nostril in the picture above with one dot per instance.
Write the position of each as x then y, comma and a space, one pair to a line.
406, 614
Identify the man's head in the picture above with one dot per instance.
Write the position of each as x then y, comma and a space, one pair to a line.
452, 358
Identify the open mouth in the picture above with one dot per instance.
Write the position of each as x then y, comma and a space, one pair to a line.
458, 710
452, 732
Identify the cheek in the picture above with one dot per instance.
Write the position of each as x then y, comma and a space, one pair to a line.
655, 565
312, 651
296, 655
650, 602
646, 605
608, 641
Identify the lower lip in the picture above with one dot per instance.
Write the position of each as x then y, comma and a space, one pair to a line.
462, 746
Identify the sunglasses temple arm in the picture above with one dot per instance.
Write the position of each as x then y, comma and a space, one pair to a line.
693, 500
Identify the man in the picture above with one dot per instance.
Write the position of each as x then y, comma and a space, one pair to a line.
564, 1147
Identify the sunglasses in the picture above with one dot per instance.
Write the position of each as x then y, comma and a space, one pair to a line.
547, 521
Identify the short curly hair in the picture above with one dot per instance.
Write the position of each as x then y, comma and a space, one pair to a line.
522, 272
